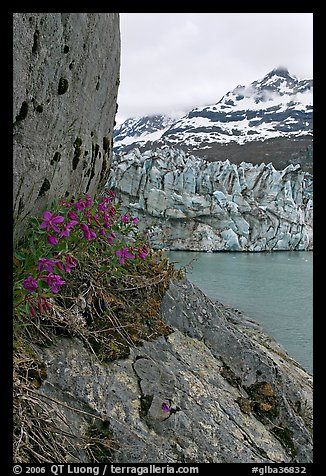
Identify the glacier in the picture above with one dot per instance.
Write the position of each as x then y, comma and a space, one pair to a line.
187, 203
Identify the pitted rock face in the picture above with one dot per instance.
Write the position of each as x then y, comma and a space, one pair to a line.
66, 76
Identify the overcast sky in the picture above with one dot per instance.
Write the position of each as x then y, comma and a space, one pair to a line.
172, 62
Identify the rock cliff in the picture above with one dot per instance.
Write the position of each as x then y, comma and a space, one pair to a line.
233, 394
214, 206
66, 73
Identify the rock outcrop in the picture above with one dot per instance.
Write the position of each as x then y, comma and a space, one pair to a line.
231, 394
66, 76
214, 206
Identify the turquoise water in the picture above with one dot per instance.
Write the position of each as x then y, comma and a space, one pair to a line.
275, 289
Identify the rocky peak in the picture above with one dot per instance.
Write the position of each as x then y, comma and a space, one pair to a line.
280, 71
142, 126
281, 82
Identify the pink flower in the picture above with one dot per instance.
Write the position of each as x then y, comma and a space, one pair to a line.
83, 203
67, 228
42, 304
88, 233
88, 200
39, 304
50, 221
72, 216
64, 203
111, 237
32, 310
79, 205
102, 206
52, 240
135, 220
96, 219
106, 219
46, 305
123, 255
47, 264
166, 407
70, 262
84, 227
124, 218
112, 211
88, 216
61, 266
30, 284
53, 281
143, 252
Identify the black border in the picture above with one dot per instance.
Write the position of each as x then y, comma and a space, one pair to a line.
7, 244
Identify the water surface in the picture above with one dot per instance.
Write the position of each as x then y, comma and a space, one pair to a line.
274, 289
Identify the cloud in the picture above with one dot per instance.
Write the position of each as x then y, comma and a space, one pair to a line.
176, 61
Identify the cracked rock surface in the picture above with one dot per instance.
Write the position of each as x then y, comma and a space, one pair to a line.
231, 393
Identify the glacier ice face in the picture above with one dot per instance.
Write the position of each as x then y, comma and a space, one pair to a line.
197, 205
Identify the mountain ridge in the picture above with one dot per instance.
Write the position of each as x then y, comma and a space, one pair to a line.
277, 109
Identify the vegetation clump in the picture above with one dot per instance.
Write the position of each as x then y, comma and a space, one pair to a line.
82, 270
106, 144
285, 436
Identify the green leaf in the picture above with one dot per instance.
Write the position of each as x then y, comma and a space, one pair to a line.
40, 231
47, 294
19, 256
61, 246
42, 284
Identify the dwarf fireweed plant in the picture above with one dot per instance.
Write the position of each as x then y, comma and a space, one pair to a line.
72, 231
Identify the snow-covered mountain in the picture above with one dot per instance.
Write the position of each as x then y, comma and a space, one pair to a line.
279, 105
276, 110
140, 130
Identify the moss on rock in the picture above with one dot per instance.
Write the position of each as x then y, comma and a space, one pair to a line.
285, 436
